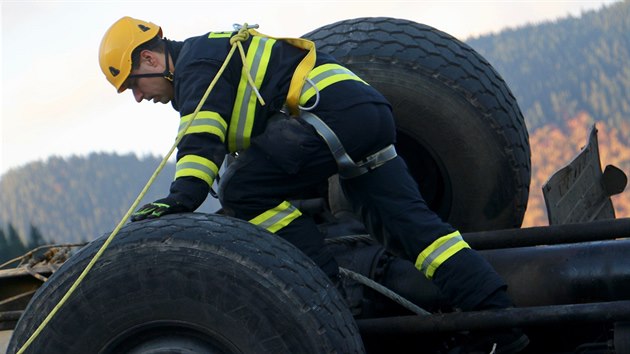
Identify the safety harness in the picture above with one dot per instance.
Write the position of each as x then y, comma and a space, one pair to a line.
300, 75
347, 167
299, 93
295, 91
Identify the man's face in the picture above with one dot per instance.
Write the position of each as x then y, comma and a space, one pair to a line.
157, 89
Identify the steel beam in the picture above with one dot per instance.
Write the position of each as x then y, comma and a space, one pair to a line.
550, 235
604, 312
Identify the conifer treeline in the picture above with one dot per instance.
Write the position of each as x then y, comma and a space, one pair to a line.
565, 75
558, 69
80, 198
13, 245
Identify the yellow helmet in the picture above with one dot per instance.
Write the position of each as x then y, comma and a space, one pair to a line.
120, 40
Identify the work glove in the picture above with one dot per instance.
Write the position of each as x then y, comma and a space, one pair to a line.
158, 208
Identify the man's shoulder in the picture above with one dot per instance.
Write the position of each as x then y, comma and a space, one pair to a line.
205, 47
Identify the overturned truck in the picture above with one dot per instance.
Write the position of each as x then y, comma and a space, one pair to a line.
207, 283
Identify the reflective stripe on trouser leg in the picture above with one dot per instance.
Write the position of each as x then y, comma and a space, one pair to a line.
275, 219
438, 252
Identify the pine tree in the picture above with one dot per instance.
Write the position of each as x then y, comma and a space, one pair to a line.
4, 247
35, 238
15, 246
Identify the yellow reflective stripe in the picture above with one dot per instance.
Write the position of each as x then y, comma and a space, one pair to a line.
277, 218
244, 111
325, 68
196, 166
438, 252
324, 76
205, 122
226, 34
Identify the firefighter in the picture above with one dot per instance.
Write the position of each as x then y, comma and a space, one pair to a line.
306, 131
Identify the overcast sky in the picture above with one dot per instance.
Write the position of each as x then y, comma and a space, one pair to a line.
56, 102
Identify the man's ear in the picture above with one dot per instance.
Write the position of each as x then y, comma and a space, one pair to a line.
148, 57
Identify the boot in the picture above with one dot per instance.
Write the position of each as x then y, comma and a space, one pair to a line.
458, 282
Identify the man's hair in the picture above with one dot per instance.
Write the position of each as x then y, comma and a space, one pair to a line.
155, 44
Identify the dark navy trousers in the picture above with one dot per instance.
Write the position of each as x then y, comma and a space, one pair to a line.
290, 161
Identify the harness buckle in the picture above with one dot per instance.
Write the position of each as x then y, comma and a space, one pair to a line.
346, 166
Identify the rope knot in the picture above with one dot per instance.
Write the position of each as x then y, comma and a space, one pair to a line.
241, 36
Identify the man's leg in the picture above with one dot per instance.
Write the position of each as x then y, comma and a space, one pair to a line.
393, 208
284, 164
391, 205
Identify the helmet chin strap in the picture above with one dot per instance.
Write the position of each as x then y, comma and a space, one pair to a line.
167, 74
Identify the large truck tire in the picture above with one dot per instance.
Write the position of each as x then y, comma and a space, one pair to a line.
460, 129
191, 283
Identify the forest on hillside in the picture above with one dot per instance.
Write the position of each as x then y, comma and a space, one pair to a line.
77, 199
566, 75
560, 69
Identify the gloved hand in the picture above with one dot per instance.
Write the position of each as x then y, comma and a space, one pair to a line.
158, 208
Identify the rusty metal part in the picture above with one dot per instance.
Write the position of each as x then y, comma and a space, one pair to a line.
36, 275
17, 286
550, 235
580, 192
55, 254
509, 318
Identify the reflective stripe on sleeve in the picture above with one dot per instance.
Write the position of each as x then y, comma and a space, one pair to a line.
277, 218
438, 252
205, 122
324, 76
196, 166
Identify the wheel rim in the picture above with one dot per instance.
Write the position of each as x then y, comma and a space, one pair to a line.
431, 176
169, 337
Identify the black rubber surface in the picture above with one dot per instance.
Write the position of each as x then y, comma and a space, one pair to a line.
459, 127
214, 282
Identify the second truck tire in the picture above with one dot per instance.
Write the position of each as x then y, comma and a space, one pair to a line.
460, 129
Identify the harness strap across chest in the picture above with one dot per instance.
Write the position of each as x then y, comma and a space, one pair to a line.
301, 72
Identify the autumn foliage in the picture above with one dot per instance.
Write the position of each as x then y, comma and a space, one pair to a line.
554, 146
